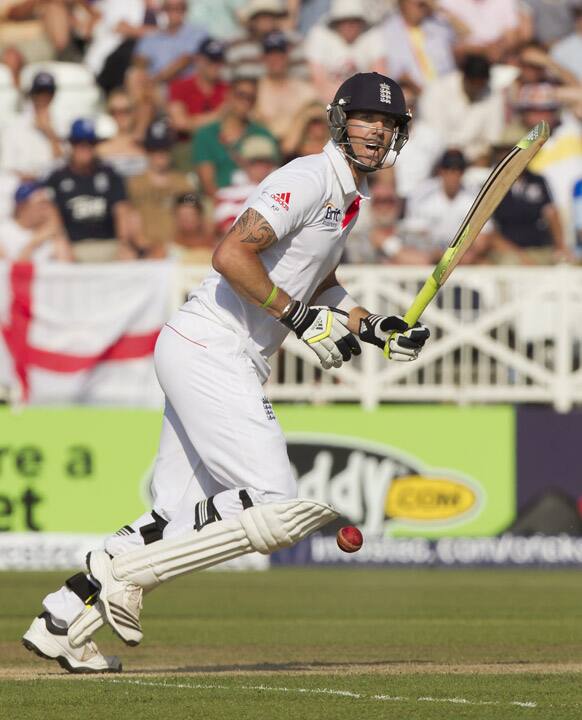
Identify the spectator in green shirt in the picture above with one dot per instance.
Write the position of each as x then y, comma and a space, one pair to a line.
216, 146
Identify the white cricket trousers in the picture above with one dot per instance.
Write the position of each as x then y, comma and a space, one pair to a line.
219, 436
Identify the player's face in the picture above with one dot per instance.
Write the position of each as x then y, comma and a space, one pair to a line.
370, 134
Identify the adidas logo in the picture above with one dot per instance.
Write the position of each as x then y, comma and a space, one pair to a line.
283, 199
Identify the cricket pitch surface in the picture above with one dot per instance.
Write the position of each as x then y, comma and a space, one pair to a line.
294, 644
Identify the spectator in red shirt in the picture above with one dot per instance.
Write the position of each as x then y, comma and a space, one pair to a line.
196, 100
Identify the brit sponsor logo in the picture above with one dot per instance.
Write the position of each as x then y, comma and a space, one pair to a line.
379, 488
283, 199
332, 216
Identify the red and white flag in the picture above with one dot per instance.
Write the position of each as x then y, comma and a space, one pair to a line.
82, 333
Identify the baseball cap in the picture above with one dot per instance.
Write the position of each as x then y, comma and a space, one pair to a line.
159, 136
212, 49
275, 41
257, 7
346, 10
259, 147
452, 159
25, 190
83, 130
43, 82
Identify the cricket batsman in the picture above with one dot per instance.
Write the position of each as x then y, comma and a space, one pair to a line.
222, 484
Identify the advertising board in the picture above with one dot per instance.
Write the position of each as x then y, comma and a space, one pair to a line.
426, 484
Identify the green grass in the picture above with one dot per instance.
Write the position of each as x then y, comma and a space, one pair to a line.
334, 644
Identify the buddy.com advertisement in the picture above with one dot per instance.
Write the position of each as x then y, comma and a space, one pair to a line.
427, 485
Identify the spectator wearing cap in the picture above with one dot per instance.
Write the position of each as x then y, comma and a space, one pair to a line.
124, 151
244, 53
434, 212
307, 13
527, 226
279, 96
90, 197
216, 146
152, 194
464, 108
167, 53
193, 241
340, 47
415, 42
493, 27
559, 161
34, 232
197, 99
259, 156
29, 145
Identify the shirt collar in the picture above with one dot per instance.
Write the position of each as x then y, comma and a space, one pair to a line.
343, 172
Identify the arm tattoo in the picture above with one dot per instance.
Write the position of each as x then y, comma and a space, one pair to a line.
252, 228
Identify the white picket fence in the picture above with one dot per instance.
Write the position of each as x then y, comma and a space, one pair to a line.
499, 335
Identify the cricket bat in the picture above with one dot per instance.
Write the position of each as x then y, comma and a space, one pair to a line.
492, 193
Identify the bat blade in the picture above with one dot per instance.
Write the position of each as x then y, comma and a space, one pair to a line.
501, 178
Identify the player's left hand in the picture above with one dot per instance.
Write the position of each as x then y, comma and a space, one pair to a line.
405, 343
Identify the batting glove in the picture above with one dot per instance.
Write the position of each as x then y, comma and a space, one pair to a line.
404, 343
321, 328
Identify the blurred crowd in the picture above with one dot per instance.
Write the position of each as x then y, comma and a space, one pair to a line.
134, 129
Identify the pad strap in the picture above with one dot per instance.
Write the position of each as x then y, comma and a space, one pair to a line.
155, 530
83, 588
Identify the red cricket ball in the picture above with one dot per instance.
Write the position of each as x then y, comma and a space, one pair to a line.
349, 539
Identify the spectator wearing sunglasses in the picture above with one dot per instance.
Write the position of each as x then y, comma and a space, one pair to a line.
216, 147
123, 151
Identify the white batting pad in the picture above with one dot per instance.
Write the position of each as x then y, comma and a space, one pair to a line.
262, 528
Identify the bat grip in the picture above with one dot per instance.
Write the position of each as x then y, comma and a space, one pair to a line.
412, 315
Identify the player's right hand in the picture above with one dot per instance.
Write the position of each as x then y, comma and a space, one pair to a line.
321, 328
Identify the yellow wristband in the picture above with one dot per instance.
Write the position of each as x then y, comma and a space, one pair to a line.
272, 295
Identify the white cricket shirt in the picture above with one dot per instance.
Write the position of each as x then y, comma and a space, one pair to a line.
312, 204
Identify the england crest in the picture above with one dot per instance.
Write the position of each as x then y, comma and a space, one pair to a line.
385, 93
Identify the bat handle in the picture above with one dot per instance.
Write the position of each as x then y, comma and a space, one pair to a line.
412, 315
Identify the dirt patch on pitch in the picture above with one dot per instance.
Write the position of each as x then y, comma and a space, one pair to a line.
369, 669
416, 668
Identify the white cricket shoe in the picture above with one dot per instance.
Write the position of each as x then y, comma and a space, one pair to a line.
121, 601
48, 641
